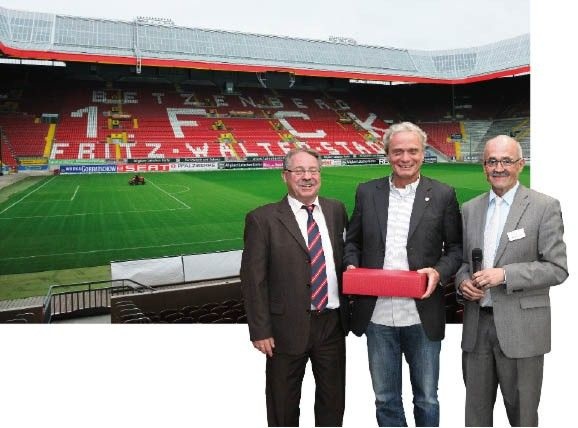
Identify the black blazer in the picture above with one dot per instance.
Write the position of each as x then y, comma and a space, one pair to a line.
434, 240
276, 275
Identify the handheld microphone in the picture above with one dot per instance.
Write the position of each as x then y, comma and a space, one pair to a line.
477, 258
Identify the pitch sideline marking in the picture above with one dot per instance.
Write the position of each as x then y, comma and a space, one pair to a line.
86, 214
25, 196
120, 249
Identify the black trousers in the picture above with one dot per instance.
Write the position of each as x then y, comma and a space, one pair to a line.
284, 376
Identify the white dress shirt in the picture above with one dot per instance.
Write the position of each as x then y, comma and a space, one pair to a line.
397, 311
301, 217
507, 200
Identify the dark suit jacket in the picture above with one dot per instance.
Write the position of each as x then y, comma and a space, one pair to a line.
276, 274
434, 240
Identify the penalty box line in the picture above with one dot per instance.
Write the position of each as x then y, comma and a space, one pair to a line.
169, 195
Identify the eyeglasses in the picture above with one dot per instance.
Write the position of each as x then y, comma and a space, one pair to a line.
299, 172
507, 162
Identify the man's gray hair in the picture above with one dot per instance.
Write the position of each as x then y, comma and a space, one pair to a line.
403, 127
293, 152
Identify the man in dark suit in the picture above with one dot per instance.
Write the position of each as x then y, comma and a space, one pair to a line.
507, 309
291, 282
404, 222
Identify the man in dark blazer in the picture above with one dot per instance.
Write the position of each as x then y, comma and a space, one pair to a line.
404, 222
292, 320
506, 328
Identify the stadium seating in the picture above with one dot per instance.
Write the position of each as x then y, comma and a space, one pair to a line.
25, 135
133, 121
7, 154
439, 136
225, 312
161, 124
219, 303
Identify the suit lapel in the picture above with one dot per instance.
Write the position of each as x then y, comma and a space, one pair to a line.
420, 204
519, 206
479, 211
287, 219
381, 201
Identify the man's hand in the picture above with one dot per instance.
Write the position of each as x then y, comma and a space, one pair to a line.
470, 291
433, 278
487, 278
349, 267
266, 346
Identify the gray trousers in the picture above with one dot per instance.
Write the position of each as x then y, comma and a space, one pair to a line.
486, 367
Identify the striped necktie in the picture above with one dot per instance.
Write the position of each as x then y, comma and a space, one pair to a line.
319, 291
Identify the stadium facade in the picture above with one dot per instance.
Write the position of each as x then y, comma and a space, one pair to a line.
149, 42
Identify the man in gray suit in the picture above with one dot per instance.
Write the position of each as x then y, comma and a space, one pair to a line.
291, 281
506, 329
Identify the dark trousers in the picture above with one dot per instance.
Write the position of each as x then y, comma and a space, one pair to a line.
284, 373
485, 368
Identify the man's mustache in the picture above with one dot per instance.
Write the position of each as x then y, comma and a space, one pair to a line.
500, 174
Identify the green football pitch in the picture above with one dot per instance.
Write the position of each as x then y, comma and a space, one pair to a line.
78, 221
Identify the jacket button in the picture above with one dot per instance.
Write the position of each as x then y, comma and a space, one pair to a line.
308, 285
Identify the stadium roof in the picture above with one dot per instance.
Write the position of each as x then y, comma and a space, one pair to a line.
148, 42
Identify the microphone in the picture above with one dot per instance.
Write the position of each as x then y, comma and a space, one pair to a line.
477, 258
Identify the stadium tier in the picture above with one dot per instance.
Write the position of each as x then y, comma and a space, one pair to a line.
98, 121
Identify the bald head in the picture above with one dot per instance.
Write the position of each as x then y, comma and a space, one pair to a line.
504, 142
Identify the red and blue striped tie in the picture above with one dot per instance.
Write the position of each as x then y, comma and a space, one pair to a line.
317, 259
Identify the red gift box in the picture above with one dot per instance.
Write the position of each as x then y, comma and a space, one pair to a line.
381, 282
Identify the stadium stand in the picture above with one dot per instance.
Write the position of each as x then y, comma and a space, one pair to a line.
152, 121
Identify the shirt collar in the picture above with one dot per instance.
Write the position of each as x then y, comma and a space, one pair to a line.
410, 188
296, 206
508, 196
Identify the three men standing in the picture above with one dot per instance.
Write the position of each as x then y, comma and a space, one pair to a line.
291, 282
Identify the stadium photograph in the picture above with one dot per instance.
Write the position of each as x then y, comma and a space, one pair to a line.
131, 151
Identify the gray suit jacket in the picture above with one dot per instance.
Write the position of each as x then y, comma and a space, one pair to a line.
276, 274
533, 264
